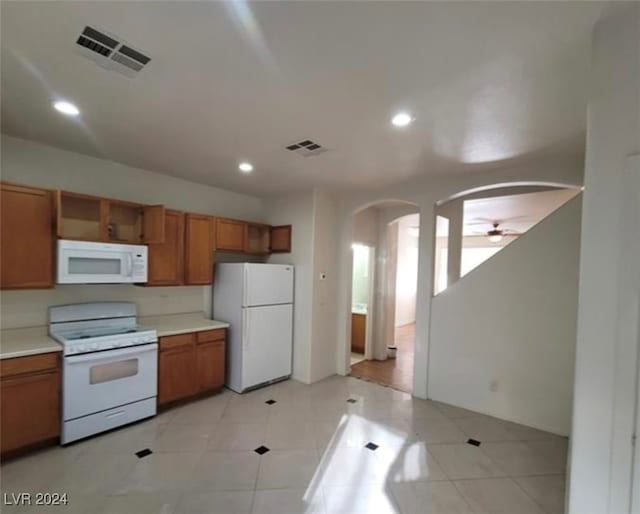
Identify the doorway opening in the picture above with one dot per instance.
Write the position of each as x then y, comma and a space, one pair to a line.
384, 300
361, 295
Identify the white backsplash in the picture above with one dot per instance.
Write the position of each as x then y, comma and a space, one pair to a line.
28, 308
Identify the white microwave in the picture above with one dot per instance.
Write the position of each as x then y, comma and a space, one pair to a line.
84, 262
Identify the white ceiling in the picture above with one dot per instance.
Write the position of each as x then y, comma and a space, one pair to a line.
517, 212
228, 81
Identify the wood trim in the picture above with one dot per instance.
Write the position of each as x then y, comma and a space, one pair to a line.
214, 233
104, 220
38, 191
58, 213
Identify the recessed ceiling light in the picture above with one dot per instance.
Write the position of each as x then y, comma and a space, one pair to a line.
245, 167
401, 119
66, 108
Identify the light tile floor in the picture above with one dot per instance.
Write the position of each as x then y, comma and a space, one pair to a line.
356, 357
203, 459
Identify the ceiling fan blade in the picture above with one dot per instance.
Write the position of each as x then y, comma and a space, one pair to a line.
484, 220
513, 218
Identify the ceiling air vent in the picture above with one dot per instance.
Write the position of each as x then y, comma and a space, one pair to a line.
306, 148
111, 52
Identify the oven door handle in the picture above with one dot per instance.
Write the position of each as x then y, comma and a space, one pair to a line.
111, 354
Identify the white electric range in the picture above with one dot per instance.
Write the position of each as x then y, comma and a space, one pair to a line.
110, 367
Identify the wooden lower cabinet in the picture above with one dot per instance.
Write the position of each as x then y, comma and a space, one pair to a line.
189, 364
358, 332
29, 401
176, 374
210, 372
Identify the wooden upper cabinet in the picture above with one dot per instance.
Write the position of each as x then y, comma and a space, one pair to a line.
92, 218
257, 238
81, 217
26, 238
281, 239
198, 249
153, 224
230, 235
166, 260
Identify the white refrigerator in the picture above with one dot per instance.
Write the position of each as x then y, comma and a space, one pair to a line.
257, 301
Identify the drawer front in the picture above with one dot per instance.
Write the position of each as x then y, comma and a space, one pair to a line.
217, 334
29, 364
169, 342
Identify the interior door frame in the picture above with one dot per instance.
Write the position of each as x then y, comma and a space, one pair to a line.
632, 254
371, 305
625, 454
635, 470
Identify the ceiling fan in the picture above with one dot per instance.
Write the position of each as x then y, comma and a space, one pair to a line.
495, 234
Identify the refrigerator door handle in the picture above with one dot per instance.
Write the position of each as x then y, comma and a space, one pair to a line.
245, 330
245, 284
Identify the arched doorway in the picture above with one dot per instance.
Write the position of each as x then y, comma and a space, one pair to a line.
383, 279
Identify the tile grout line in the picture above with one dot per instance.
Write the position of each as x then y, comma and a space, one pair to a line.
542, 509
464, 498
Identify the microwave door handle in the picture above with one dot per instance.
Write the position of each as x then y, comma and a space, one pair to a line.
129, 265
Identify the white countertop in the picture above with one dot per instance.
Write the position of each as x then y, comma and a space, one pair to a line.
172, 324
19, 342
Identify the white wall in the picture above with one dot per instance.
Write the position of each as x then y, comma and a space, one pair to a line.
297, 210
602, 418
365, 227
406, 271
29, 308
29, 163
313, 216
509, 325
424, 193
323, 348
